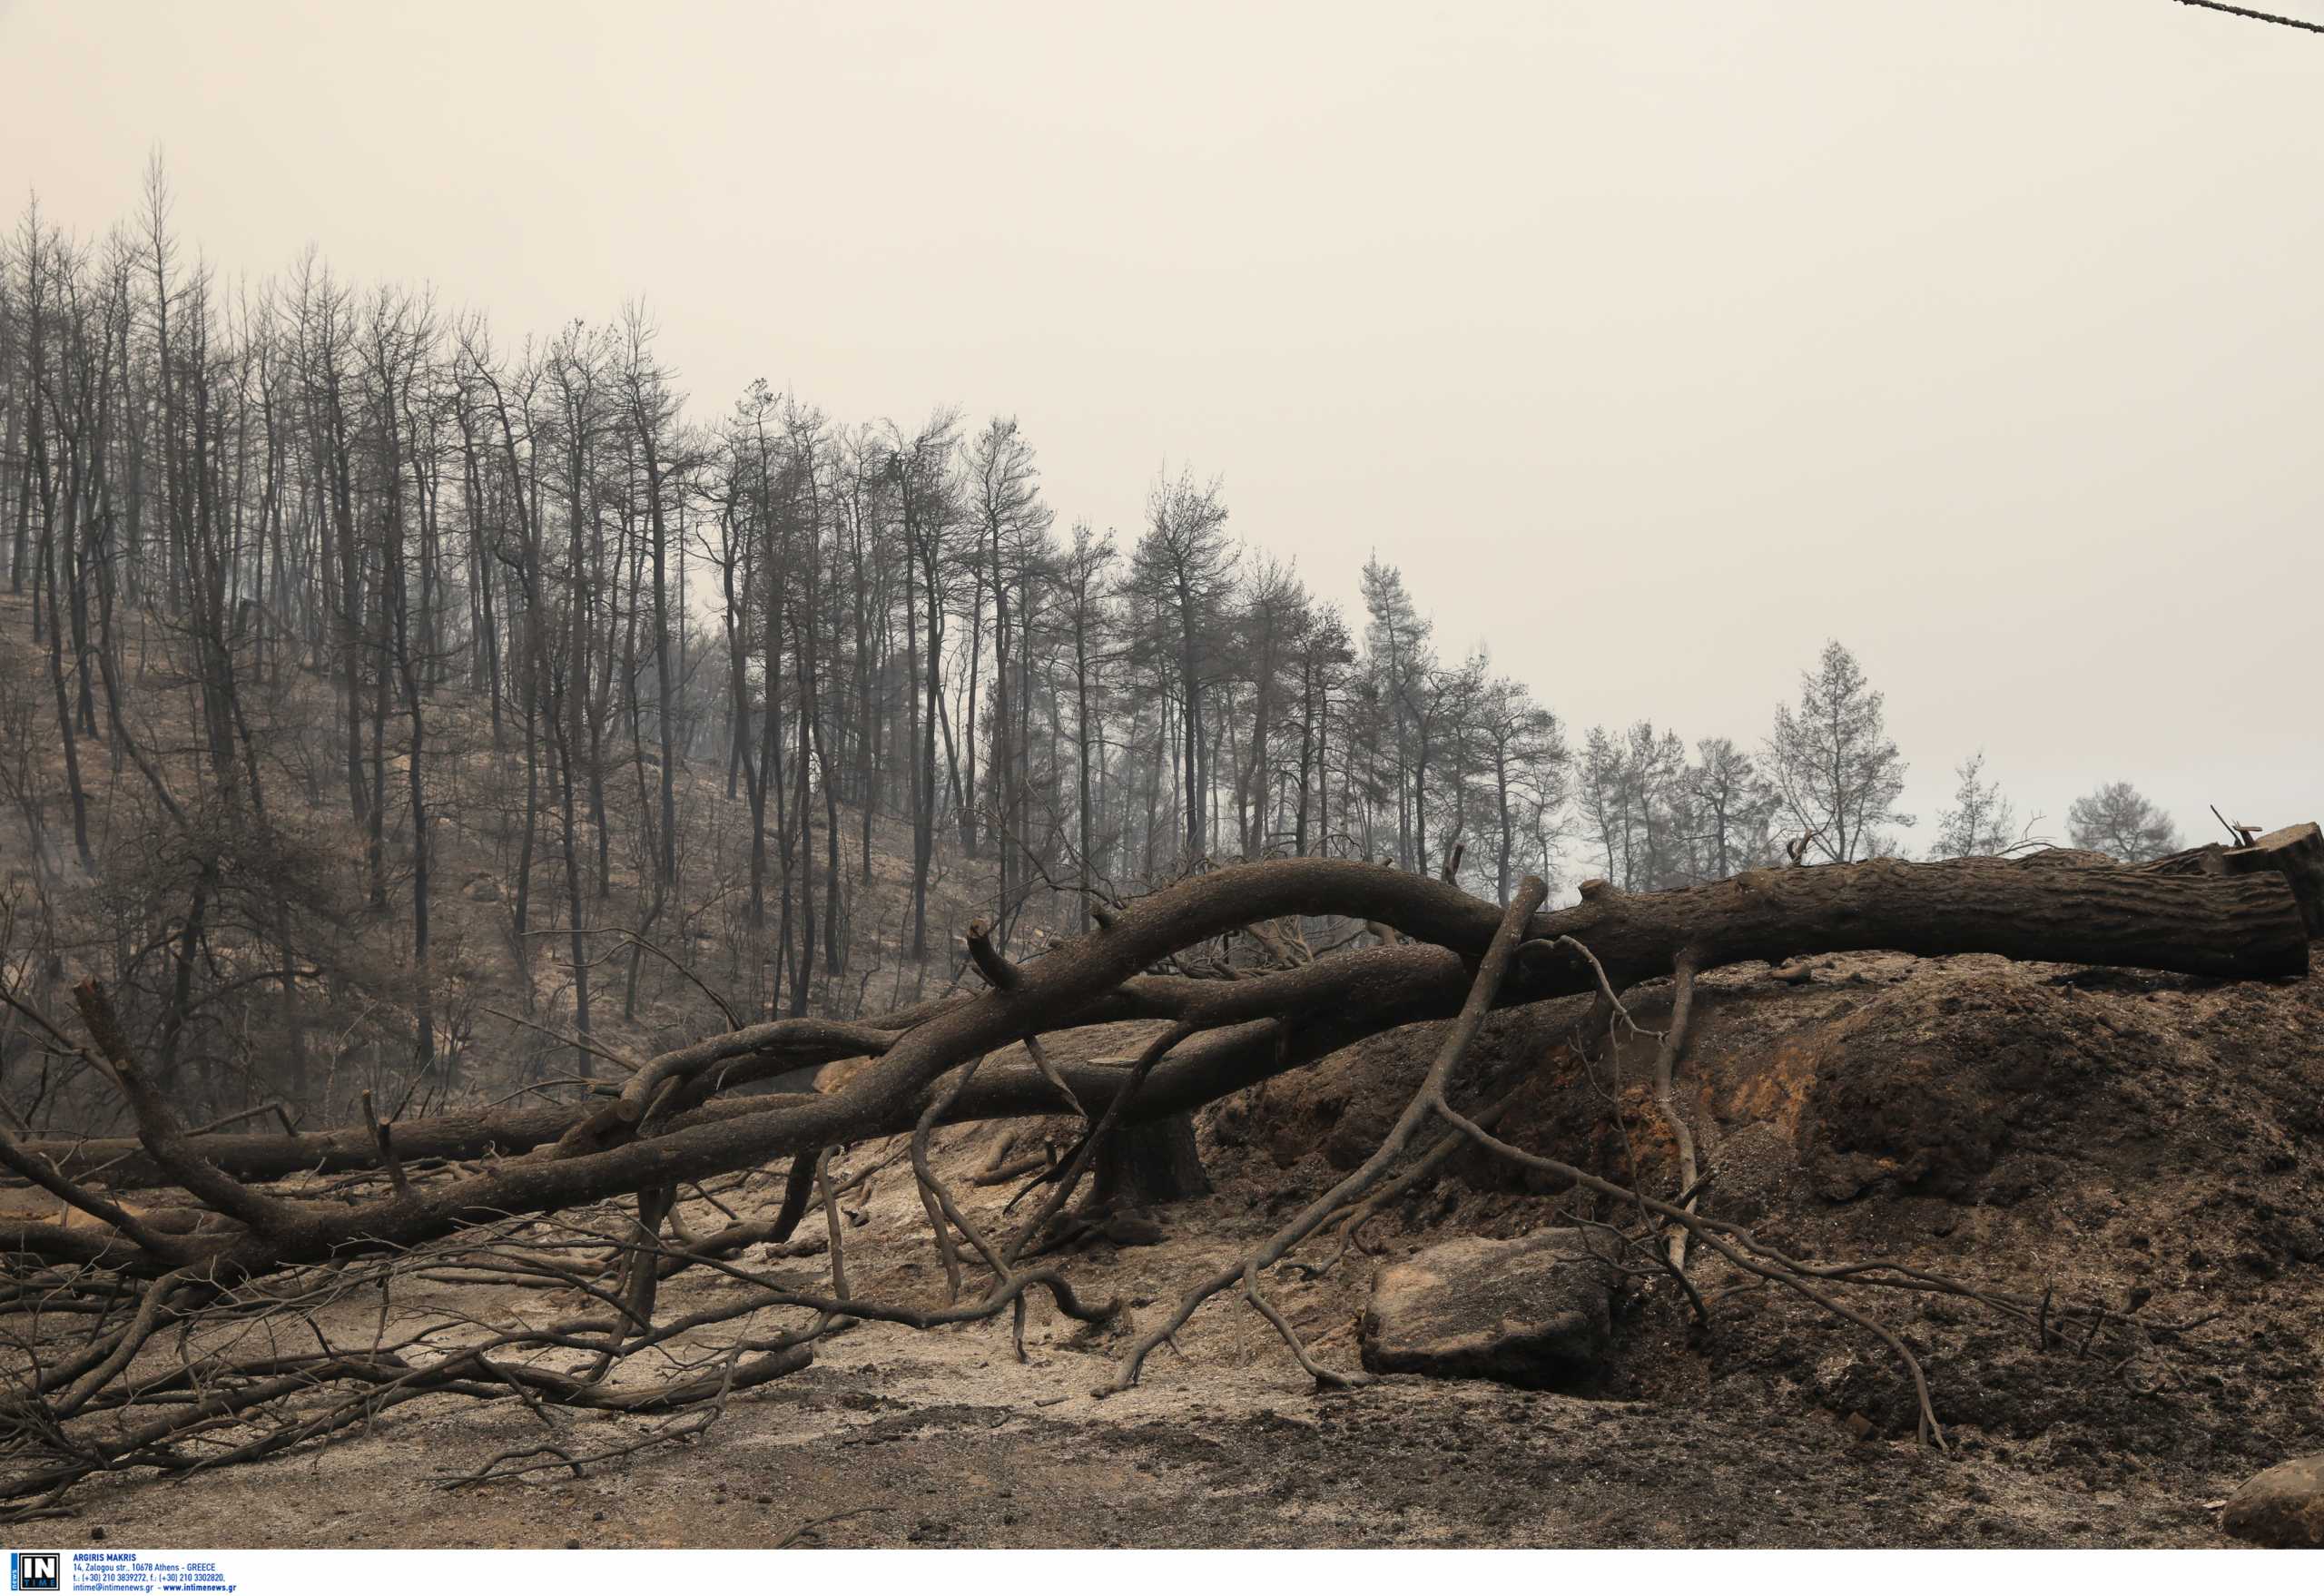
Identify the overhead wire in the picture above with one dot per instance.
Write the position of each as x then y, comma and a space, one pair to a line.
2290, 22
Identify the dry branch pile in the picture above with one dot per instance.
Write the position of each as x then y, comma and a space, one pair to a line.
185, 1335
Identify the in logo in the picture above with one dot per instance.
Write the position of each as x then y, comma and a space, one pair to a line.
35, 1570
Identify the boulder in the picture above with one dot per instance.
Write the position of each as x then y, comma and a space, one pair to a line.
1532, 1312
2282, 1506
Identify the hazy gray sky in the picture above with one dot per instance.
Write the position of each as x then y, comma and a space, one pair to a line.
1655, 342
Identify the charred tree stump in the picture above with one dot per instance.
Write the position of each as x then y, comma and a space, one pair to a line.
1144, 1164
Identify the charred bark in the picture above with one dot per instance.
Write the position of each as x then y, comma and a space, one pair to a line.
2295, 853
1145, 1163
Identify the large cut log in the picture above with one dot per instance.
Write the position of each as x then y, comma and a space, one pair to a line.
2231, 926
2241, 927
2295, 853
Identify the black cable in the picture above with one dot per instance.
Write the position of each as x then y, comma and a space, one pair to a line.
2290, 22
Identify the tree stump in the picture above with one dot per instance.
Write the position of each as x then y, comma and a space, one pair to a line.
1141, 1164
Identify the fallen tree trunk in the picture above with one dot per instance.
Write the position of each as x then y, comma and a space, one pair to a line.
122, 1161
2230, 925
739, 1058
2241, 929
2243, 926
2295, 853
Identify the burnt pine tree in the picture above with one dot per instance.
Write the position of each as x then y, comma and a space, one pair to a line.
1838, 771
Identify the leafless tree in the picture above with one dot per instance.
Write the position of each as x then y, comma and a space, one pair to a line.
1831, 759
2120, 821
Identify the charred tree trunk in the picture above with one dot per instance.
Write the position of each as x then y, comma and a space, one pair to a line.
2295, 853
1144, 1163
2234, 927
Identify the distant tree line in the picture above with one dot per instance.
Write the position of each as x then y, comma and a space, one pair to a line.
735, 698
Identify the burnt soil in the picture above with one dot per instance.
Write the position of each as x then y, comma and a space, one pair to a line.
2153, 1143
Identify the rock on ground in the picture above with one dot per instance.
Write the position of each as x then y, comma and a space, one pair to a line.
2282, 1506
1532, 1312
